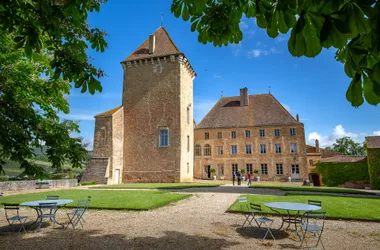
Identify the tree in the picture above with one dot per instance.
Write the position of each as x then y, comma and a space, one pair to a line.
353, 27
347, 146
60, 28
29, 105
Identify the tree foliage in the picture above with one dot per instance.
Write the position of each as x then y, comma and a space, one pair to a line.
347, 146
353, 27
30, 101
59, 27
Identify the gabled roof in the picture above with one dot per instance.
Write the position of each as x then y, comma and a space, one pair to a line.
263, 110
164, 46
373, 141
325, 153
343, 158
109, 112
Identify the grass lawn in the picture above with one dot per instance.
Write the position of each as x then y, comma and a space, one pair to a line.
285, 187
335, 207
159, 185
106, 199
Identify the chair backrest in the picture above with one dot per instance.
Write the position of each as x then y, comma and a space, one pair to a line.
315, 203
243, 203
256, 208
314, 218
47, 205
11, 208
52, 197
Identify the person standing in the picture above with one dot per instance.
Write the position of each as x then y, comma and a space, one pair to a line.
238, 175
249, 179
233, 178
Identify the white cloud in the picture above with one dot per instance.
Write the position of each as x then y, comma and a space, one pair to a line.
201, 108
281, 38
82, 117
97, 95
236, 48
337, 132
376, 132
286, 106
243, 26
259, 52
217, 76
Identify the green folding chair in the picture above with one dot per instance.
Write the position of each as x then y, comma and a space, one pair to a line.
12, 215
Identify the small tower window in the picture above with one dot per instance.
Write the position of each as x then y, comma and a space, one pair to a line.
164, 137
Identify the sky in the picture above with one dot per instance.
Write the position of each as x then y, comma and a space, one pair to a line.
314, 88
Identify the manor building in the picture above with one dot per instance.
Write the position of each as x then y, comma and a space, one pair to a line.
149, 137
250, 132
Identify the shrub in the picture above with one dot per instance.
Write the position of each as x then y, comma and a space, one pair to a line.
86, 183
337, 173
4, 178
374, 167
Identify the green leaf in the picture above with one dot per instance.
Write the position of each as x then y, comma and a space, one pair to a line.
368, 89
331, 36
185, 13
296, 43
194, 25
376, 72
354, 92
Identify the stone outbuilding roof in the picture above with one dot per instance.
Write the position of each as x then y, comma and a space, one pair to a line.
344, 158
164, 46
262, 110
109, 112
325, 153
373, 141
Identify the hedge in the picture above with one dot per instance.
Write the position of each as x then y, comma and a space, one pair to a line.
337, 173
374, 167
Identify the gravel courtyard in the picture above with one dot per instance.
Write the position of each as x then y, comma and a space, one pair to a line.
199, 222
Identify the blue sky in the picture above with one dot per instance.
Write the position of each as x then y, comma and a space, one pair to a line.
313, 88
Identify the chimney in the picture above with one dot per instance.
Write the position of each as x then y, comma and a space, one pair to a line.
244, 97
316, 146
297, 118
152, 43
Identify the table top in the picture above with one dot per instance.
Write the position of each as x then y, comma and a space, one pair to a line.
36, 203
295, 206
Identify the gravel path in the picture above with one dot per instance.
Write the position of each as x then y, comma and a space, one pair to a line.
199, 222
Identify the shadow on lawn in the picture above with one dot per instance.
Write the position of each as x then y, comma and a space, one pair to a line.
96, 239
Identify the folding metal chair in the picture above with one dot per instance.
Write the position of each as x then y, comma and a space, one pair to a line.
47, 211
315, 203
12, 214
76, 216
255, 209
312, 224
52, 197
244, 207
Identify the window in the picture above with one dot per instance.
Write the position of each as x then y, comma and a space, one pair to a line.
188, 143
248, 149
262, 132
207, 150
311, 162
279, 169
292, 131
220, 169
277, 148
264, 169
276, 132
220, 150
234, 149
164, 137
233, 134
198, 150
188, 168
207, 135
249, 168
235, 168
188, 115
293, 148
220, 135
247, 133
263, 148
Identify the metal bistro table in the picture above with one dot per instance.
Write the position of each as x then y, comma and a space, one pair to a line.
291, 206
36, 204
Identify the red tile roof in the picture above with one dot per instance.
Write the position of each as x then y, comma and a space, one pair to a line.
164, 46
109, 112
263, 110
343, 158
373, 141
325, 153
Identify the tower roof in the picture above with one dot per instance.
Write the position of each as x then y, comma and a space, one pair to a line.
164, 46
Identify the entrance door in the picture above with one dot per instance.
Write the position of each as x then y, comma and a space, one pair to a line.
117, 176
207, 171
295, 172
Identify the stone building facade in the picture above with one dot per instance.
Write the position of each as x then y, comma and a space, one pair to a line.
150, 137
250, 132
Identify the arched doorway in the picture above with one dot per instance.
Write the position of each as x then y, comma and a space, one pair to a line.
315, 179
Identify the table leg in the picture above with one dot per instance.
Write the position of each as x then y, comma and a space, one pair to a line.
54, 220
282, 218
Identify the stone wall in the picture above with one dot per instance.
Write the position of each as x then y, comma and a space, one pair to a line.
117, 147
97, 170
256, 158
24, 185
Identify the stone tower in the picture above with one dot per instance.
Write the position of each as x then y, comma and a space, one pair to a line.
150, 137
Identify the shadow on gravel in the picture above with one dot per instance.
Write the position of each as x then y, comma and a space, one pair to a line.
231, 189
96, 239
257, 233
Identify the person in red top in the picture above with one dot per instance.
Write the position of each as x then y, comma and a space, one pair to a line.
249, 179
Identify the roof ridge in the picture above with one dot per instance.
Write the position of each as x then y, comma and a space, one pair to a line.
167, 33
109, 112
